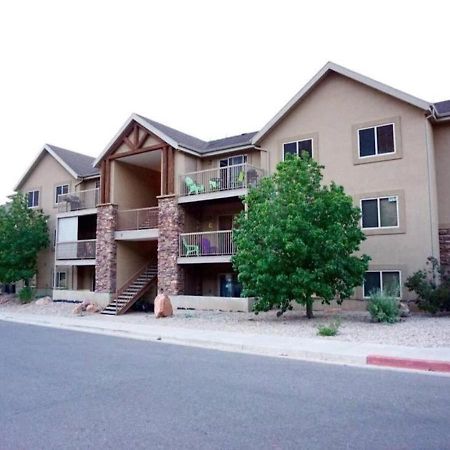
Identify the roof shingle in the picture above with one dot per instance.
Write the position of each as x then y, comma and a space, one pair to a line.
81, 164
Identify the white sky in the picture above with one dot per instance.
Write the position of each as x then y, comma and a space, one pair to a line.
71, 72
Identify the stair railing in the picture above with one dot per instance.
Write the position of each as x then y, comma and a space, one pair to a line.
130, 280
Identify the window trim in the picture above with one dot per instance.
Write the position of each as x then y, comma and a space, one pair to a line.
378, 199
296, 141
377, 154
58, 279
380, 272
55, 198
39, 198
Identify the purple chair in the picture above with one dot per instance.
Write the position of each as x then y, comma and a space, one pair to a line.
207, 248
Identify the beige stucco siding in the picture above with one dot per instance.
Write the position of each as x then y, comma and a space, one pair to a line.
442, 151
329, 114
45, 177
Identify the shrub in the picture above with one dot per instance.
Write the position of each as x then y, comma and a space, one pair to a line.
26, 294
432, 287
383, 307
329, 330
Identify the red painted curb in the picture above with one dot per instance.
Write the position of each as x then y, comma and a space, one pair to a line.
407, 363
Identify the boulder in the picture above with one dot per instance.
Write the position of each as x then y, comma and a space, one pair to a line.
163, 306
44, 301
93, 308
404, 309
78, 309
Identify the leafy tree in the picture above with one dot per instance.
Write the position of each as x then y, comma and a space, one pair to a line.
297, 239
23, 233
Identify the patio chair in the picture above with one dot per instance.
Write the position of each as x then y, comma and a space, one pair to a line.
239, 180
190, 249
214, 184
207, 248
193, 188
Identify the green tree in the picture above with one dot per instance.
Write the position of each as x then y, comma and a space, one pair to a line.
23, 233
297, 239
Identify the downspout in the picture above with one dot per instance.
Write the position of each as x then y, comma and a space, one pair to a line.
427, 144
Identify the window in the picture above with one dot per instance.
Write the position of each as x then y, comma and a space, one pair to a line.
33, 199
387, 281
232, 172
377, 140
381, 212
60, 190
61, 280
297, 147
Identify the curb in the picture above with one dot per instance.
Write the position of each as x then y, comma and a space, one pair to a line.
409, 363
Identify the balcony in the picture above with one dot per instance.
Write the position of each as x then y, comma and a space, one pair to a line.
206, 247
137, 224
78, 200
77, 252
220, 182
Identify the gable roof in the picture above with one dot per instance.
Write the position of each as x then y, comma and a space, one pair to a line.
441, 109
179, 140
326, 69
77, 164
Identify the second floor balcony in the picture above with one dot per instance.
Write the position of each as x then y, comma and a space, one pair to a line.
76, 251
78, 200
206, 247
219, 182
137, 224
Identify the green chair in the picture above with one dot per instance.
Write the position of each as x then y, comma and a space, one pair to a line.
191, 249
214, 184
193, 188
239, 179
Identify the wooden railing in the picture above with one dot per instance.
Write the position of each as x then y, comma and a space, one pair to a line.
76, 249
74, 201
208, 243
220, 179
137, 219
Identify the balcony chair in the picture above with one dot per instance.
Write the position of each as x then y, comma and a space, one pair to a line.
207, 248
193, 188
190, 249
214, 184
239, 179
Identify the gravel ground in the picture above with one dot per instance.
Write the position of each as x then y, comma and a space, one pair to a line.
418, 330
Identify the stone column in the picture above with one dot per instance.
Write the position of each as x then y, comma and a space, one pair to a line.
106, 249
444, 246
171, 224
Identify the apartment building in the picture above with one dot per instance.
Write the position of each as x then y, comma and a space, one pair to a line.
167, 199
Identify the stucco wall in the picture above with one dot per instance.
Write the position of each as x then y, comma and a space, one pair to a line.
329, 114
442, 151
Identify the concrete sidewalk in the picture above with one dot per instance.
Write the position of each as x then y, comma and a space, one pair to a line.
329, 350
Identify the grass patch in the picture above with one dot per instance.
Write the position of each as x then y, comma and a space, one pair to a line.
331, 329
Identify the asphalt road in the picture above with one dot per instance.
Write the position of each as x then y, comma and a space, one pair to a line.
63, 389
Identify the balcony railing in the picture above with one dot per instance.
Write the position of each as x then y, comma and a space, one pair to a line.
76, 249
208, 243
219, 179
137, 219
74, 201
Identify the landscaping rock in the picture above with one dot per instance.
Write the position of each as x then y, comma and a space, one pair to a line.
78, 309
404, 309
93, 308
163, 306
44, 301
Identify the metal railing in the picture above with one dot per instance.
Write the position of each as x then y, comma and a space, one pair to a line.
74, 201
137, 219
208, 243
76, 249
220, 179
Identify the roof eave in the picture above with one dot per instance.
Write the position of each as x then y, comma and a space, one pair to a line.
330, 66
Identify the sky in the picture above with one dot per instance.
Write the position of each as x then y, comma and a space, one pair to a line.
72, 72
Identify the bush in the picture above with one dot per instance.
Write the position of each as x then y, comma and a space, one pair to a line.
329, 330
26, 294
432, 287
383, 307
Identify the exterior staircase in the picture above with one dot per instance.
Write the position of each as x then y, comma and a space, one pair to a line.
132, 291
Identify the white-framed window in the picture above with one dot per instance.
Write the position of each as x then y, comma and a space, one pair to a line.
33, 199
297, 147
376, 141
61, 280
386, 281
379, 212
60, 190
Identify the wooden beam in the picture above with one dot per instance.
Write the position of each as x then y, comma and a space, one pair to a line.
170, 171
143, 138
102, 182
164, 171
150, 148
128, 143
136, 136
108, 181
